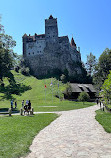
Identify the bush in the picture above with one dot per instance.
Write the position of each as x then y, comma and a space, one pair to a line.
63, 77
106, 89
68, 90
83, 97
17, 69
25, 71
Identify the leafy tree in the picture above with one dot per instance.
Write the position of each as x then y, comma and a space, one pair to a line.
6, 53
106, 89
68, 90
102, 68
63, 77
91, 63
83, 97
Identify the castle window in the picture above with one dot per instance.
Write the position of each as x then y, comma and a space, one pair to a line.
53, 36
40, 51
33, 52
29, 53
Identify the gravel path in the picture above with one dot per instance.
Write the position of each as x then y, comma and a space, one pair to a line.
75, 134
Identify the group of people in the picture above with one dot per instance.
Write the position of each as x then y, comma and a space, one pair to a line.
26, 106
12, 104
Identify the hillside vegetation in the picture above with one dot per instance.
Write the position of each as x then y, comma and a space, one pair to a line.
30, 88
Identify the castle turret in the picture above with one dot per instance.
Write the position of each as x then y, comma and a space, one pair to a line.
24, 39
51, 29
73, 43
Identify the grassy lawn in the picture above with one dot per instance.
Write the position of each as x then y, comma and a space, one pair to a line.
64, 106
34, 90
104, 119
17, 133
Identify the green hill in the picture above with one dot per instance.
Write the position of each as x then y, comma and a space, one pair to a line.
42, 99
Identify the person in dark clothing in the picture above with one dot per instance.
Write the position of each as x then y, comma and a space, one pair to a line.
15, 104
25, 109
97, 101
100, 104
12, 104
29, 105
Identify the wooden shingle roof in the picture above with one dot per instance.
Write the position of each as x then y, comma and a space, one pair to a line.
76, 87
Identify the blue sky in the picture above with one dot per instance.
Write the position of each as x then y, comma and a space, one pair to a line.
89, 21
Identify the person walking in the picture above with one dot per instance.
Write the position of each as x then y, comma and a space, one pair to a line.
22, 103
100, 104
12, 104
29, 105
15, 104
97, 101
27, 102
25, 109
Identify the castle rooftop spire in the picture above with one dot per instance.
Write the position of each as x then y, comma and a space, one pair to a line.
25, 35
51, 17
73, 43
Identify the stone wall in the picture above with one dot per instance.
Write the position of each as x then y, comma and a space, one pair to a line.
51, 30
35, 47
55, 57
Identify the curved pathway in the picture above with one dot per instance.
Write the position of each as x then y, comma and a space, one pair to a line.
75, 134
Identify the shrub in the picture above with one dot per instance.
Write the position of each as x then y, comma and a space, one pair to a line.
68, 90
17, 69
83, 97
25, 71
63, 77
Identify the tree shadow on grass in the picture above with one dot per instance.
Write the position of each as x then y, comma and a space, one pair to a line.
11, 89
3, 110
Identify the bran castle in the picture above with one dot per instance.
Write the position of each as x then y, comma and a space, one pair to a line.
48, 52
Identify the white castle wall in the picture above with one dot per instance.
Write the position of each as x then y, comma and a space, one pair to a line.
35, 48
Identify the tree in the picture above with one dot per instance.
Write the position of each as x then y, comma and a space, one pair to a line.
102, 68
90, 64
83, 97
6, 53
106, 89
63, 77
68, 90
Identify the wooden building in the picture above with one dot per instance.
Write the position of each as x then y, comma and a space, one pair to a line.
77, 88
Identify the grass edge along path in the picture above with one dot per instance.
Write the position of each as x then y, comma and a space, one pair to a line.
104, 118
65, 106
18, 132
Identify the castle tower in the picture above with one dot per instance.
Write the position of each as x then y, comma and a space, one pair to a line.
24, 39
51, 29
